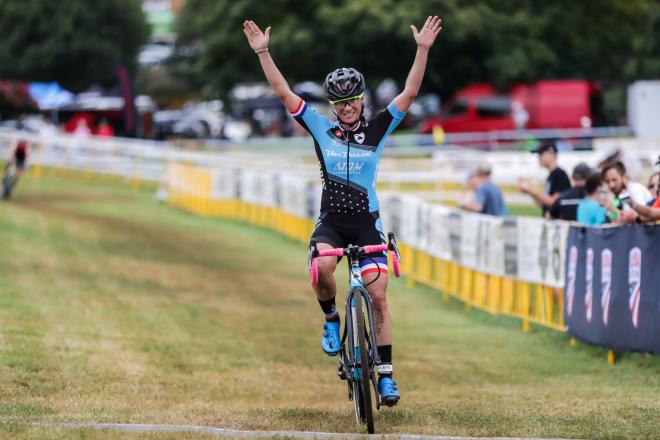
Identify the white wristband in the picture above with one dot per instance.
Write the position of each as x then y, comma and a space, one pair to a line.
261, 50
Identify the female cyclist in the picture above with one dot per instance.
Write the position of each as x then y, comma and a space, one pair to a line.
348, 151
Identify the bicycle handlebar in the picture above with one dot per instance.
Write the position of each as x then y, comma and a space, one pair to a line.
340, 252
334, 252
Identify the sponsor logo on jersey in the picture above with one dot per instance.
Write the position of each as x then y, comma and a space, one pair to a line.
338, 133
344, 154
589, 282
570, 284
352, 167
634, 283
359, 137
606, 282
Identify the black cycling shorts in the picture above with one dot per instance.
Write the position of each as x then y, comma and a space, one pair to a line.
340, 230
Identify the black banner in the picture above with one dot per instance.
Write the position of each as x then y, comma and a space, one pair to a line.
612, 290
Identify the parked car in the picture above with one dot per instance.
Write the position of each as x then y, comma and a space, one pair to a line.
544, 104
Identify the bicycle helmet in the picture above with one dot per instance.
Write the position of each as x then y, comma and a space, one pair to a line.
343, 83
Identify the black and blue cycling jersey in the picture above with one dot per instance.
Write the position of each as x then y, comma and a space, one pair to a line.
348, 158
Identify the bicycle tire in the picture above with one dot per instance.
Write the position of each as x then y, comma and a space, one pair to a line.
363, 398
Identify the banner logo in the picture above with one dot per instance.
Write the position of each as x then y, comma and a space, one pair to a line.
634, 283
606, 282
556, 252
589, 283
570, 284
543, 251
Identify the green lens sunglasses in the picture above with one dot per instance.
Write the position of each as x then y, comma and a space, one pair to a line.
347, 100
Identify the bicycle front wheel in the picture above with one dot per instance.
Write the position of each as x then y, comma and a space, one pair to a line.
362, 386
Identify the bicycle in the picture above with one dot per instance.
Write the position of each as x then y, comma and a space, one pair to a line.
8, 181
358, 355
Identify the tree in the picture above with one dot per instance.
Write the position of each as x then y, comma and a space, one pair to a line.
482, 40
69, 41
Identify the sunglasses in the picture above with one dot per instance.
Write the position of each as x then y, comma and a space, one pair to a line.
348, 101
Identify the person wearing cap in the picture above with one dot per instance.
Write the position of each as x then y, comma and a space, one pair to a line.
488, 197
565, 207
555, 184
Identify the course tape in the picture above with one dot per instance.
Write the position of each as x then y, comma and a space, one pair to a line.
231, 433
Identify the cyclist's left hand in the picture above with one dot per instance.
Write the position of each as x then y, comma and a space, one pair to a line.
430, 30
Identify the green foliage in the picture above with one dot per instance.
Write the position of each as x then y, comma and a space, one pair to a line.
75, 43
486, 40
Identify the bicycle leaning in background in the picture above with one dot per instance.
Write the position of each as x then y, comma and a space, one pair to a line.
358, 355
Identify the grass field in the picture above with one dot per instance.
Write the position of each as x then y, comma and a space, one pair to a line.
114, 308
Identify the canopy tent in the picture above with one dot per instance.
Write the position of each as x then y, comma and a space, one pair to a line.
50, 96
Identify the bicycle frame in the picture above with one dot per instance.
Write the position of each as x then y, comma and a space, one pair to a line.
357, 288
358, 367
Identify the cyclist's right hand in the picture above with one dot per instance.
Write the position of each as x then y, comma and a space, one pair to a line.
258, 40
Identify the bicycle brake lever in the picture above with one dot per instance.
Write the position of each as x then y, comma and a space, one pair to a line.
391, 245
312, 253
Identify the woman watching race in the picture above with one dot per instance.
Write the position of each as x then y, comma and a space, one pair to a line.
349, 150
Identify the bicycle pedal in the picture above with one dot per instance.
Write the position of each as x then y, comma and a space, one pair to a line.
390, 402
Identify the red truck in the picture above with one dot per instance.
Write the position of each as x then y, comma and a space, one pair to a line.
544, 104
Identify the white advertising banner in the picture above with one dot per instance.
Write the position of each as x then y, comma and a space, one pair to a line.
409, 212
468, 244
292, 195
439, 232
424, 226
541, 250
224, 183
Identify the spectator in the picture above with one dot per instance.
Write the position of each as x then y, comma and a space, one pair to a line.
82, 129
616, 178
105, 129
557, 180
590, 210
487, 196
520, 115
651, 211
654, 187
565, 207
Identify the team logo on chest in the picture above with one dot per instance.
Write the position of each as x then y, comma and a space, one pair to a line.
359, 137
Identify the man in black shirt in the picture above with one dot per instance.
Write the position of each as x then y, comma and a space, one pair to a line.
556, 183
565, 207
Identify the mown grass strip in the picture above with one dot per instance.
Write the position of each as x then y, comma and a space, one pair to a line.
117, 309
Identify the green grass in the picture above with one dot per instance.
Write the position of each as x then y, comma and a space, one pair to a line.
114, 308
525, 210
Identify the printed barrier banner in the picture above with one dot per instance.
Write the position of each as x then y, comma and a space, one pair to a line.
541, 250
529, 249
526, 248
225, 183
613, 287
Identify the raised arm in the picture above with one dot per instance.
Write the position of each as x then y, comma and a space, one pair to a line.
424, 39
258, 41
